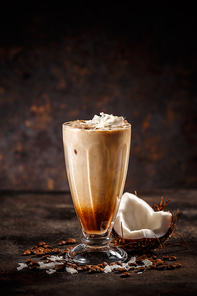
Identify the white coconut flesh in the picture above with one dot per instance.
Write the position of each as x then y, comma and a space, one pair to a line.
137, 220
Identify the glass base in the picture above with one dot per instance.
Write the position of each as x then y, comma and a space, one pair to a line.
82, 254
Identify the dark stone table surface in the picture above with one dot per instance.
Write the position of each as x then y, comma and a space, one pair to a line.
29, 218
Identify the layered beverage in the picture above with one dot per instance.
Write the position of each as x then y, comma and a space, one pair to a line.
96, 156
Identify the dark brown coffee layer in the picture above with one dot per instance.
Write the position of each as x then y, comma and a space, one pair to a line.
98, 219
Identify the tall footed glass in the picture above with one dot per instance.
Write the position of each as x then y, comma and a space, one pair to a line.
96, 164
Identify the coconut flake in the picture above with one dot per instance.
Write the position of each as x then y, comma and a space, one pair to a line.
21, 266
126, 266
71, 270
50, 271
147, 262
107, 269
47, 265
56, 258
132, 260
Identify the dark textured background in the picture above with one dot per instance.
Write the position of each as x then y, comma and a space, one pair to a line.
60, 63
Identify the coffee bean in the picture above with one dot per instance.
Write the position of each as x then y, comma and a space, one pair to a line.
96, 268
33, 263
47, 246
59, 267
33, 267
177, 265
88, 266
171, 266
132, 264
118, 263
104, 264
92, 269
142, 257
62, 242
73, 265
81, 268
47, 251
27, 252
39, 253
100, 269
69, 248
140, 269
165, 257
45, 256
33, 248
63, 261
152, 266
40, 249
162, 267
154, 257
55, 250
172, 258
159, 262
120, 269
125, 274
42, 243
28, 261
71, 241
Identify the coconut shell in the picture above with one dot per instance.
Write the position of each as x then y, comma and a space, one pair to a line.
146, 244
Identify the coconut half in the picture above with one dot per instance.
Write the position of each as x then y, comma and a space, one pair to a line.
137, 221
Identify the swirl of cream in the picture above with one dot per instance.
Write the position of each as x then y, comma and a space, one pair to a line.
105, 121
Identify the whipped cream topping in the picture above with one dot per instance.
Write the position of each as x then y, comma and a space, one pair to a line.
105, 121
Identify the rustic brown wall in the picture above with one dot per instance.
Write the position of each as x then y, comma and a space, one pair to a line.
58, 65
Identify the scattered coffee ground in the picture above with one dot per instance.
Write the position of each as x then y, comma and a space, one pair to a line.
52, 259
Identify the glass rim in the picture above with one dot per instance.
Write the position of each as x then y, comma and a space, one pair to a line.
65, 126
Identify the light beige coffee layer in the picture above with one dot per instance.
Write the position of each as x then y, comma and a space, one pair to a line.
96, 162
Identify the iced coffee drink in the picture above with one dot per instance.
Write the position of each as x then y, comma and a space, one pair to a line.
96, 156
